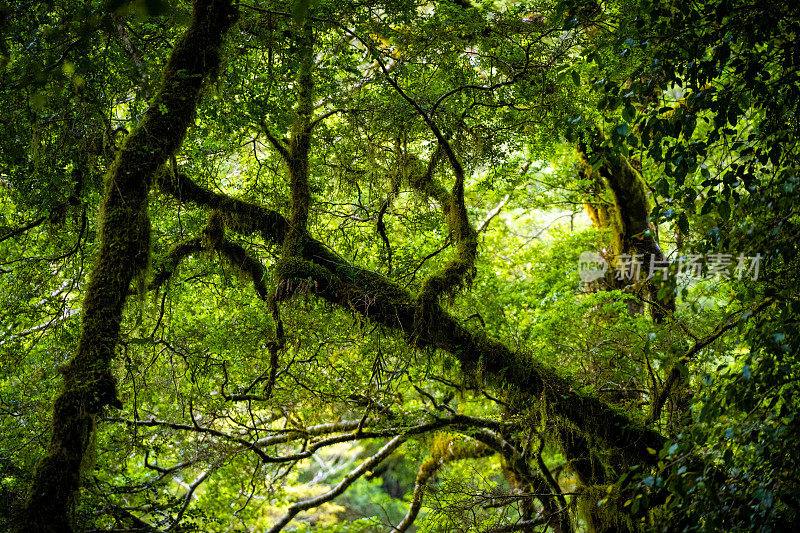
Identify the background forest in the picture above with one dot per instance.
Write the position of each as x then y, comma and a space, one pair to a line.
317, 265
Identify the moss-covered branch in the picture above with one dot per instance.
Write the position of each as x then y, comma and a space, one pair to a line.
461, 268
444, 449
626, 216
173, 259
376, 297
124, 250
300, 141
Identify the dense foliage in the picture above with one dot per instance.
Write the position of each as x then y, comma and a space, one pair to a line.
316, 265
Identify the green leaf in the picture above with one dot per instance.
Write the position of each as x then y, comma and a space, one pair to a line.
733, 116
146, 341
673, 448
683, 222
629, 113
724, 210
662, 188
576, 78
708, 206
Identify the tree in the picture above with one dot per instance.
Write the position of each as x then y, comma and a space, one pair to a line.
312, 269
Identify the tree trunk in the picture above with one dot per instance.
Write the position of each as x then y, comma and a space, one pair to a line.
626, 215
89, 385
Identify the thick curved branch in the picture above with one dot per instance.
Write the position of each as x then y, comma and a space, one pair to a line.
175, 256
214, 239
453, 450
278, 144
239, 257
628, 219
376, 297
13, 232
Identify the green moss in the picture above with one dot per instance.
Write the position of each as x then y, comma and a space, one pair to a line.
430, 327
460, 270
627, 218
602, 509
300, 143
124, 236
214, 232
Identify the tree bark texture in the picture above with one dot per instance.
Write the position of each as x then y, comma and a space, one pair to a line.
88, 385
381, 300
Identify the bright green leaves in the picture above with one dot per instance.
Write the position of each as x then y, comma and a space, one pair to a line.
717, 162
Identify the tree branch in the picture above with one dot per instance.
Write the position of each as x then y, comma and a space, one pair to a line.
381, 300
187, 499
348, 480
676, 374
88, 384
440, 455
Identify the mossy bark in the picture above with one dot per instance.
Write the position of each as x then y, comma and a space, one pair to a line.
460, 270
593, 479
445, 448
89, 386
378, 298
300, 142
295, 154
626, 214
